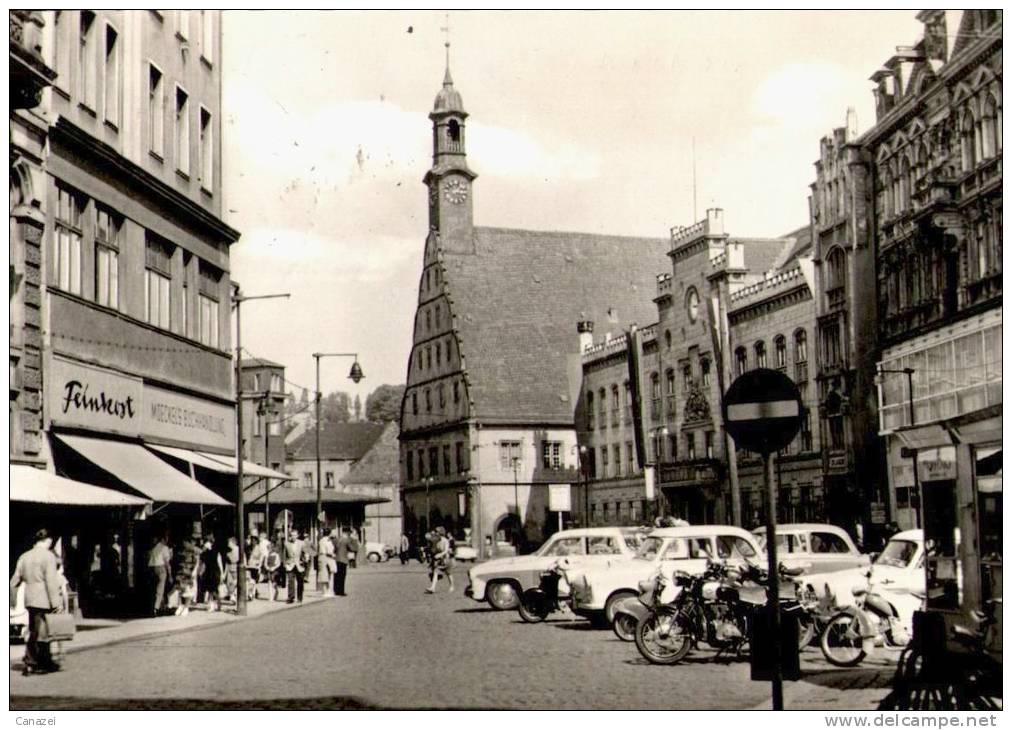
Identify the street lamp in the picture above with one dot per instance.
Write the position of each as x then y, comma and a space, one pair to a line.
356, 375
581, 454
516, 499
240, 505
661, 432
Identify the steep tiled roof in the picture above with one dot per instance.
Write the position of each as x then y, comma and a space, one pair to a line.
381, 463
517, 299
349, 441
761, 253
288, 494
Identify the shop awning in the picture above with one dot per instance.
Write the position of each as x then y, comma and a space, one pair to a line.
42, 487
249, 469
307, 495
142, 470
192, 457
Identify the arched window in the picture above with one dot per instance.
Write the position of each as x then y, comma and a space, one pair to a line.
442, 396
428, 358
800, 346
967, 144
614, 398
687, 375
990, 134
439, 354
780, 350
836, 269
428, 319
602, 404
905, 184
453, 130
887, 195
704, 372
428, 401
655, 386
741, 360
669, 378
760, 354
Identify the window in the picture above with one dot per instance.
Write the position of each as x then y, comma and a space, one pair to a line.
704, 372
184, 330
86, 63
307, 478
461, 464
741, 360
447, 466
421, 361
409, 465
182, 131
832, 355
509, 451
112, 90
780, 352
760, 354
731, 546
827, 542
428, 320
328, 480
604, 462
806, 431
602, 405
614, 398
428, 357
256, 381
456, 391
183, 24
421, 462
687, 376
433, 461
602, 545
67, 241
276, 383
61, 50
617, 452
990, 128
428, 401
551, 454
439, 354
206, 151
442, 395
274, 427
207, 35
107, 259
836, 265
669, 381
801, 359
208, 321
565, 546
156, 299
967, 142
630, 458
708, 437
690, 446
590, 410
438, 316
414, 403
672, 447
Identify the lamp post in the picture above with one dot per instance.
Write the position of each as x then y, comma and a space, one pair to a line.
516, 500
909, 372
355, 375
428, 510
265, 412
654, 433
581, 454
240, 504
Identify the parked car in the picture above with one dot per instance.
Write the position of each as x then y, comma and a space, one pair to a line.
501, 581
597, 589
465, 553
818, 548
898, 572
377, 552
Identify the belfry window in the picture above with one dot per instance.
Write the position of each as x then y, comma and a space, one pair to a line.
453, 130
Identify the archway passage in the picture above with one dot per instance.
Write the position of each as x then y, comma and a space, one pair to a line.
507, 535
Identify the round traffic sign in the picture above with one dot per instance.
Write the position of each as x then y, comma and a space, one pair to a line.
763, 410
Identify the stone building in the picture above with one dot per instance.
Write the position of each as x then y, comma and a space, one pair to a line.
263, 414
377, 474
651, 396
132, 291
488, 419
936, 176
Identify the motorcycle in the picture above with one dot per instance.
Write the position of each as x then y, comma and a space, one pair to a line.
629, 611
853, 632
716, 608
537, 603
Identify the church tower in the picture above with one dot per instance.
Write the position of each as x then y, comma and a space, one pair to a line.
451, 203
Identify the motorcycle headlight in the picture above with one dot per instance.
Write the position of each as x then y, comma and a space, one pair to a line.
645, 585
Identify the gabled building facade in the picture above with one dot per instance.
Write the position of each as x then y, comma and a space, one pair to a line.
493, 381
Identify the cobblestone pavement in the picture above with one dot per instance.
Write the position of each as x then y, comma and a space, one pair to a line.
389, 645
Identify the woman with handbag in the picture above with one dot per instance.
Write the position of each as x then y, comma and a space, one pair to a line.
39, 571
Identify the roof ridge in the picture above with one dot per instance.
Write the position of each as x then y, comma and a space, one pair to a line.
539, 232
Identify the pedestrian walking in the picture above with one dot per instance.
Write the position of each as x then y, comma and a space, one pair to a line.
295, 566
38, 570
232, 558
442, 561
346, 545
255, 559
328, 562
405, 549
160, 566
209, 575
275, 575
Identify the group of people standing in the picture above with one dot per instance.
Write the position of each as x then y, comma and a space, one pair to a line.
285, 561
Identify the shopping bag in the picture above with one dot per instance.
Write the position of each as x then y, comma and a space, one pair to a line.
172, 600
58, 627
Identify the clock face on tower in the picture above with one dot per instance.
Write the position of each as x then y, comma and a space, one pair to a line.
692, 305
455, 191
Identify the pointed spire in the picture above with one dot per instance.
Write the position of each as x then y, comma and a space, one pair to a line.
447, 79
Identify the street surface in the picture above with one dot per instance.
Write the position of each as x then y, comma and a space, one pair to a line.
389, 645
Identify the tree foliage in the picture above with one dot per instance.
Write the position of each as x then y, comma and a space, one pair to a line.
384, 404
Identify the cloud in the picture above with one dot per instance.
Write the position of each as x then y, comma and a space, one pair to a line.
800, 96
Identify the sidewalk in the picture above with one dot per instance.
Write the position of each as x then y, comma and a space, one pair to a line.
96, 632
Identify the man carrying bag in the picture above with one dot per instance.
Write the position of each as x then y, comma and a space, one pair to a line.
38, 570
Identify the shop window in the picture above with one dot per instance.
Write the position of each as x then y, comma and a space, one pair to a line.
987, 476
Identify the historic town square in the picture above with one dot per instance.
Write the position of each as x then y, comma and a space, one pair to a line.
506, 360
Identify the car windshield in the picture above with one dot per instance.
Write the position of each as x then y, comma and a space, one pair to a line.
897, 553
563, 546
650, 548
633, 540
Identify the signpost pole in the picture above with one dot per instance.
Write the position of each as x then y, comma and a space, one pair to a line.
774, 578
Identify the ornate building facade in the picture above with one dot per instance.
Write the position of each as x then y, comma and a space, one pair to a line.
936, 176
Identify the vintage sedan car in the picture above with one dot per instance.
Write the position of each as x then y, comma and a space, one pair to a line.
897, 573
818, 548
501, 581
596, 590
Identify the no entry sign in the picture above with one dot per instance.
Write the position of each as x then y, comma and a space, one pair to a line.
763, 411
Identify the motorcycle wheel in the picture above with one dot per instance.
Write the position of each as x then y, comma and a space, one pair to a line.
658, 650
624, 626
532, 611
841, 641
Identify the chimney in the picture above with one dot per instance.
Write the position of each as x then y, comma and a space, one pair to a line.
586, 332
851, 124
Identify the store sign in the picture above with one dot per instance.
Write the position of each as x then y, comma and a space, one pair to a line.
937, 465
94, 398
838, 463
98, 399
184, 418
559, 498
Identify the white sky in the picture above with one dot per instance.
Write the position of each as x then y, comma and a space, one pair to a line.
580, 121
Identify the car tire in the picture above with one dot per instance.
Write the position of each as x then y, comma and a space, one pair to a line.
374, 557
614, 598
503, 595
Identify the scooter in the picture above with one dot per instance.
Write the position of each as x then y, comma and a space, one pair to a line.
537, 603
853, 632
631, 610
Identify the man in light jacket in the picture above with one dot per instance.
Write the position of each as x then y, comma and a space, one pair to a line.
38, 570
295, 566
328, 563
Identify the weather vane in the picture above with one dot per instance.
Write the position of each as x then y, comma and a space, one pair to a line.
446, 31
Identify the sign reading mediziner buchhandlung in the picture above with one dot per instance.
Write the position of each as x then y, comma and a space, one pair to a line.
97, 399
